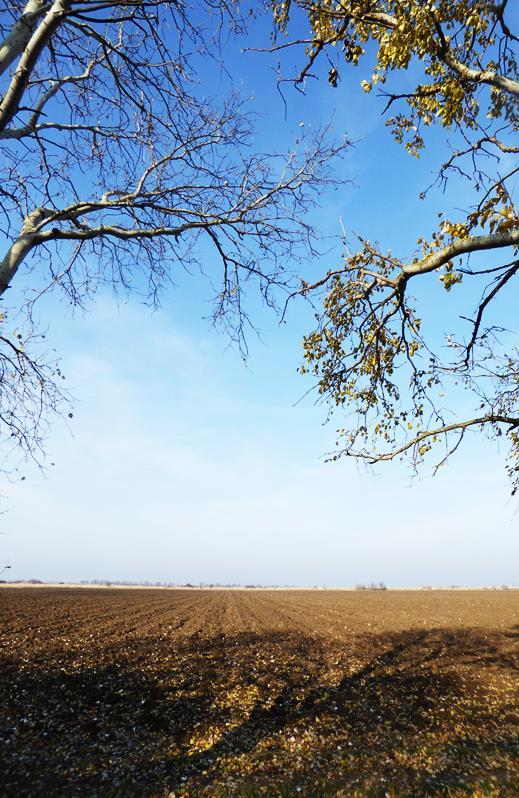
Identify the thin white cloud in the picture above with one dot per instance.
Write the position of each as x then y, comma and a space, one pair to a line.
216, 488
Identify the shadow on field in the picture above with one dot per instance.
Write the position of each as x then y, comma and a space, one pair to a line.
514, 632
409, 711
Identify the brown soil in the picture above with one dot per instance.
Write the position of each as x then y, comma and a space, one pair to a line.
221, 693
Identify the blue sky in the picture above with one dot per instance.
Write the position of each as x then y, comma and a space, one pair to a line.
183, 464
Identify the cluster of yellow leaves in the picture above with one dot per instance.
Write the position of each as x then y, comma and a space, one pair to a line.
450, 278
356, 352
438, 33
497, 213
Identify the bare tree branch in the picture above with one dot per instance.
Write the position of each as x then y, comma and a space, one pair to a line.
115, 165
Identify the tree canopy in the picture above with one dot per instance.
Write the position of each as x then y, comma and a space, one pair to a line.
369, 351
118, 166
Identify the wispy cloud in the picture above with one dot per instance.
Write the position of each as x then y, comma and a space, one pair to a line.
176, 471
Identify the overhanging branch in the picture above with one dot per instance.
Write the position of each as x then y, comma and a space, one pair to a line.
462, 246
510, 421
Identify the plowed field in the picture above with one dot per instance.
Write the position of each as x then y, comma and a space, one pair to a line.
277, 693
